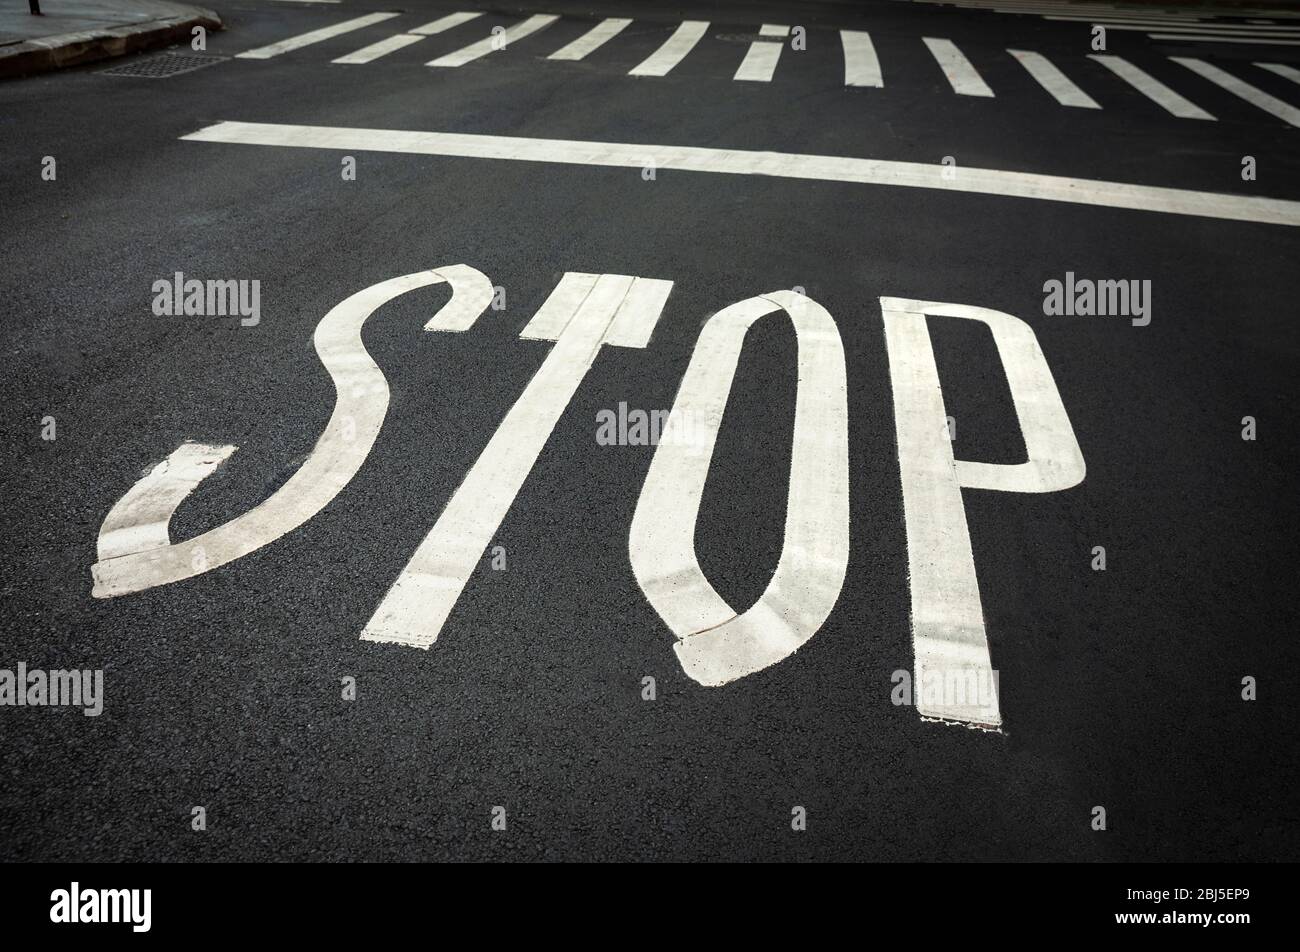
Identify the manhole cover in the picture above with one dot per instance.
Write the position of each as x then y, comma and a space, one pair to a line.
167, 64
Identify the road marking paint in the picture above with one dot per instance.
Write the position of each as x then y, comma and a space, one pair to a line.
315, 36
1101, 13
1084, 11
1287, 72
962, 75
1017, 6
947, 616
1063, 90
715, 644
1204, 31
138, 521
779, 30
359, 409
1241, 88
443, 24
1151, 87
496, 42
558, 309
861, 65
1146, 198
1179, 26
368, 54
1221, 39
1107, 17
760, 61
415, 609
639, 312
1076, 9
673, 51
471, 294
403, 40
593, 39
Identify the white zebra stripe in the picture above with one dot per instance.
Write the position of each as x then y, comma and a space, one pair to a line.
675, 48
1151, 87
1053, 80
593, 39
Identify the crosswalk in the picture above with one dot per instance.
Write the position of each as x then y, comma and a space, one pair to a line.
861, 64
592, 40
760, 61
1061, 88
1184, 26
402, 40
674, 50
496, 41
961, 73
313, 37
1232, 84
1151, 87
1064, 83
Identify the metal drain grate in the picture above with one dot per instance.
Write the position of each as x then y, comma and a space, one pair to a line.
164, 65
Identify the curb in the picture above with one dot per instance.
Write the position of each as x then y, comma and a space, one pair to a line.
74, 49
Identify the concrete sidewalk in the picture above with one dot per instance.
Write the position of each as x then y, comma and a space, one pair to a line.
71, 32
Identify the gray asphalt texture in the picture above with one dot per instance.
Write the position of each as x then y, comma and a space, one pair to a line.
1119, 688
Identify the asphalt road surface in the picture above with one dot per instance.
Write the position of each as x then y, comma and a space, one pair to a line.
924, 163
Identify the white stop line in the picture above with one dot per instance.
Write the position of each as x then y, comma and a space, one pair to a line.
783, 165
715, 643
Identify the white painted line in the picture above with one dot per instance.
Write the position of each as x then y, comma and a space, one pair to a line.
673, 51
861, 65
1054, 460
948, 633
774, 29
1082, 10
715, 643
1092, 12
1183, 38
443, 24
417, 606
1147, 198
1086, 6
471, 293
1074, 13
1090, 9
962, 75
1287, 72
368, 54
1151, 87
1256, 97
639, 312
1205, 29
1106, 17
558, 309
315, 36
138, 521
947, 617
359, 409
1063, 90
1148, 26
497, 42
760, 61
593, 39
